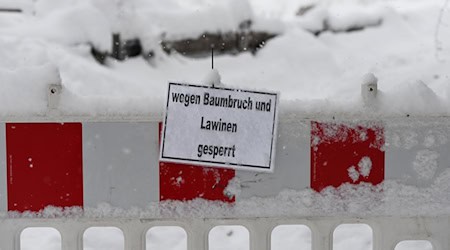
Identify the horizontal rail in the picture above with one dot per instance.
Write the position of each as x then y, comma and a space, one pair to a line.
387, 231
284, 116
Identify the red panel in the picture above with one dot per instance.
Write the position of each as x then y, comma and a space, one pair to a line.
186, 182
346, 154
44, 165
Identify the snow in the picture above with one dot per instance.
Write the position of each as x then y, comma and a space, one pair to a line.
369, 78
71, 25
442, 37
213, 78
233, 188
315, 74
346, 16
426, 164
353, 173
349, 200
365, 166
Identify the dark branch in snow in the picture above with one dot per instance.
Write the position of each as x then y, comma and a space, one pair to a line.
10, 10
304, 9
352, 28
231, 43
437, 42
121, 50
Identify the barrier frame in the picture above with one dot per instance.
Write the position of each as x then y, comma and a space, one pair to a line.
387, 231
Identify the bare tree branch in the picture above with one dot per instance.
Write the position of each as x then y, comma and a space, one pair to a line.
437, 43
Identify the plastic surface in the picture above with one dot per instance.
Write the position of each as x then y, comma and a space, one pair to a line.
187, 182
342, 153
44, 165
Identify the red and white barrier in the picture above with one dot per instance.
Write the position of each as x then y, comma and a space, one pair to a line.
85, 164
88, 163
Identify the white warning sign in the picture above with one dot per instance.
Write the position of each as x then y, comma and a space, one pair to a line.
223, 127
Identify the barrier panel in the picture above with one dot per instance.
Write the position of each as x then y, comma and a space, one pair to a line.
65, 162
387, 231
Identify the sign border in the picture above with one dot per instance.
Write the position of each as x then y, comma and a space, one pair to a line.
208, 163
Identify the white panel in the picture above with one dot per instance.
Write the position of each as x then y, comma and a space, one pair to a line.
3, 188
120, 163
417, 153
292, 163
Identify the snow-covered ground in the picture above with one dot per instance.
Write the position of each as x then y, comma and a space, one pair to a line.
404, 43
